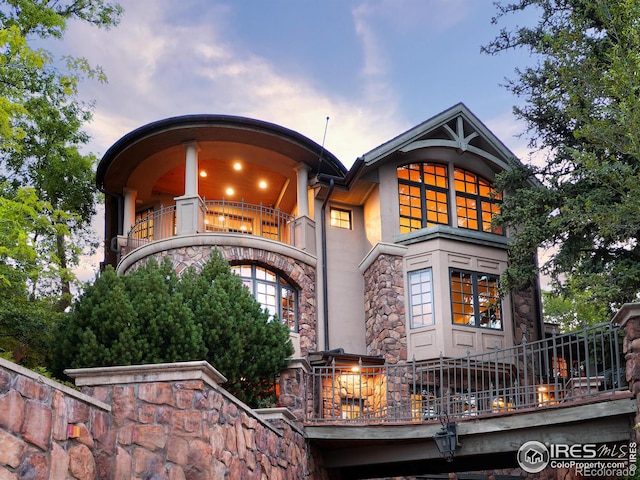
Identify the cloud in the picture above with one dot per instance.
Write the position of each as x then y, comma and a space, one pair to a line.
163, 62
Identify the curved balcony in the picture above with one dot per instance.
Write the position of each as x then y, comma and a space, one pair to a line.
217, 216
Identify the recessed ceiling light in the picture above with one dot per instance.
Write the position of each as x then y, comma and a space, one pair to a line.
230, 191
262, 184
203, 173
237, 166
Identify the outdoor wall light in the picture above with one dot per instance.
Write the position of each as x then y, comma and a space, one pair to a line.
447, 440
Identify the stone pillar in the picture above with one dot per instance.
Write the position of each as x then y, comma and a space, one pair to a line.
628, 318
302, 171
129, 216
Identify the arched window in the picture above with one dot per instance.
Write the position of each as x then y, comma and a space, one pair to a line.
423, 194
273, 292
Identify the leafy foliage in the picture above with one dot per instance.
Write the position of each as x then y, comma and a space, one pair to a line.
152, 316
582, 110
47, 195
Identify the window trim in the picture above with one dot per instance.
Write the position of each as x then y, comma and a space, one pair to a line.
476, 296
410, 295
482, 200
279, 283
340, 219
424, 188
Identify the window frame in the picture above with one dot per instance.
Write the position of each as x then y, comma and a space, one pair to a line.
411, 296
424, 187
484, 205
340, 219
476, 295
280, 284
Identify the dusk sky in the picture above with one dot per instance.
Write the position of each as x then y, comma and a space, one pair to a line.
375, 67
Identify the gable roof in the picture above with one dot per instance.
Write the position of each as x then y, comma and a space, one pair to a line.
456, 128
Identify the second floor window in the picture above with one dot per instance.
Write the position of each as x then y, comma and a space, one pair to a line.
424, 194
272, 291
421, 298
475, 300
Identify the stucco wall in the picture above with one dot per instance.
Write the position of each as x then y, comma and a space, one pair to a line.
167, 421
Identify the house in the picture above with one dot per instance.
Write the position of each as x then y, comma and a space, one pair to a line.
396, 258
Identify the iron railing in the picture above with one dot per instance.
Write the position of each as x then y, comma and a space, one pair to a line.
155, 225
219, 216
554, 371
241, 217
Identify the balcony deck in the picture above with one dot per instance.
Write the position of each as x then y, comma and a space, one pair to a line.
219, 216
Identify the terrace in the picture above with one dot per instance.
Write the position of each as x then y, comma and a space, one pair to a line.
560, 370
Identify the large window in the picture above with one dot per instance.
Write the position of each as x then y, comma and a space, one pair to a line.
422, 191
477, 202
273, 292
421, 298
475, 300
423, 194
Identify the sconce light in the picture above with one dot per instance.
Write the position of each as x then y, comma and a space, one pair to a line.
447, 440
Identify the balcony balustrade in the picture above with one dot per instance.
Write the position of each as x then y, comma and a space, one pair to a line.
555, 371
219, 216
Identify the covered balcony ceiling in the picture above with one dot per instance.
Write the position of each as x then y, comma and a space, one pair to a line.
151, 160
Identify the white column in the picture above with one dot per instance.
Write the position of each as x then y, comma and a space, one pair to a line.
302, 171
129, 217
191, 170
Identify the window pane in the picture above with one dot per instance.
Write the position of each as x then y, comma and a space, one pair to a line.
421, 298
475, 300
422, 194
273, 292
340, 218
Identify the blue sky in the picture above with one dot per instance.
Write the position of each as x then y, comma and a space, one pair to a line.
375, 67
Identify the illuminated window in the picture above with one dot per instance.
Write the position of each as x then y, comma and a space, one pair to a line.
421, 298
475, 300
477, 202
144, 224
422, 193
272, 291
340, 218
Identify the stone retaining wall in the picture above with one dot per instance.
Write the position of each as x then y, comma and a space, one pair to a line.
168, 421
48, 430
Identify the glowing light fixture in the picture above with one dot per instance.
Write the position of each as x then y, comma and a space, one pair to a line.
237, 166
229, 191
203, 174
262, 184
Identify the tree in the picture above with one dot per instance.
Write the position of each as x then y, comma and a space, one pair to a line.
47, 195
152, 316
582, 110
41, 121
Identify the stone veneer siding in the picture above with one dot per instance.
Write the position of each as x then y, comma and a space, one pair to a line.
385, 328
301, 275
141, 426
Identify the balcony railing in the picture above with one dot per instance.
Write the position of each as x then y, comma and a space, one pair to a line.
219, 216
555, 371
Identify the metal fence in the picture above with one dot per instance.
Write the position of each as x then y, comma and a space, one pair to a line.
554, 371
219, 216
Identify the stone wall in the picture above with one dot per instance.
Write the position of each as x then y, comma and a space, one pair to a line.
48, 430
384, 309
169, 421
